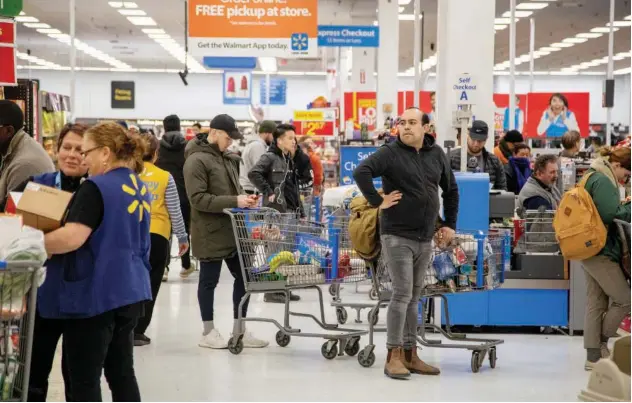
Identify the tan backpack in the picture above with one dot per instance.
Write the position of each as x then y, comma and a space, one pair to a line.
578, 226
363, 228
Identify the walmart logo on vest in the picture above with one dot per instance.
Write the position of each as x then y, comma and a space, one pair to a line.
137, 204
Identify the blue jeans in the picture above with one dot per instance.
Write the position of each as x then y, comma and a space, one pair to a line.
209, 277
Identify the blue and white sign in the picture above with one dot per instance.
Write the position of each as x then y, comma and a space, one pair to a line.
350, 158
237, 88
278, 91
348, 35
465, 89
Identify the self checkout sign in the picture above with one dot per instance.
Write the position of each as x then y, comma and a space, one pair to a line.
465, 89
314, 123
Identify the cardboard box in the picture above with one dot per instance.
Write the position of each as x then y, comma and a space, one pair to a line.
43, 207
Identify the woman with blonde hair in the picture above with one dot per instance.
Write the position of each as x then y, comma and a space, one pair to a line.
165, 215
102, 276
608, 292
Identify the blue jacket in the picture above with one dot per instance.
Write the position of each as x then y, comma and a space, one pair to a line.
111, 269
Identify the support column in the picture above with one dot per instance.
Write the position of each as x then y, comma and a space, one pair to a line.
465, 45
388, 57
363, 69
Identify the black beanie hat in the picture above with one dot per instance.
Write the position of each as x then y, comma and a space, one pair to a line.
513, 136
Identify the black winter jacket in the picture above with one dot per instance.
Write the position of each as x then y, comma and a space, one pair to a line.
493, 167
171, 159
418, 176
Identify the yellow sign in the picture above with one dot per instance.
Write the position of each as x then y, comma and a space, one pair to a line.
309, 116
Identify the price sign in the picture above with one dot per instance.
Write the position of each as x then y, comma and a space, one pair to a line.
361, 108
314, 128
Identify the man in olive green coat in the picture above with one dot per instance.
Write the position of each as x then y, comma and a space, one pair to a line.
212, 184
608, 293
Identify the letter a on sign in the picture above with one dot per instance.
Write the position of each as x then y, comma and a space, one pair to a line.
463, 96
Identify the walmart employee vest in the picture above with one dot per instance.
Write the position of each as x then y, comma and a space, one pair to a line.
156, 180
111, 269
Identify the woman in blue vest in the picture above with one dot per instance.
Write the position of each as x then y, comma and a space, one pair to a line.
48, 331
557, 119
100, 266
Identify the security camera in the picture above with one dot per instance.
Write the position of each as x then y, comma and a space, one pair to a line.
183, 76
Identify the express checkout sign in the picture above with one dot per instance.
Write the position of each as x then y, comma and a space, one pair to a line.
348, 36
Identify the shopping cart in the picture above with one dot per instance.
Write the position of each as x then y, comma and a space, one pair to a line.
471, 263
311, 205
362, 274
280, 253
535, 233
18, 295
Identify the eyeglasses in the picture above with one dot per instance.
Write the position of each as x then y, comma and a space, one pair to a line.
84, 154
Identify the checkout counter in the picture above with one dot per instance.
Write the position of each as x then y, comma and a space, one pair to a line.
536, 289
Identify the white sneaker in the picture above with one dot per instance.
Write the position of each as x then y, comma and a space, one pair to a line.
251, 341
213, 340
185, 273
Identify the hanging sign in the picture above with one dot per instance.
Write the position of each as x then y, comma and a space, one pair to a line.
122, 94
278, 91
350, 158
361, 108
8, 75
257, 28
10, 8
465, 89
237, 88
348, 36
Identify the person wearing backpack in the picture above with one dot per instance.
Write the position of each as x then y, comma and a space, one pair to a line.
608, 293
412, 168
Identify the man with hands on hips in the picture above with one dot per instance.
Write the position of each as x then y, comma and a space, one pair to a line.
412, 169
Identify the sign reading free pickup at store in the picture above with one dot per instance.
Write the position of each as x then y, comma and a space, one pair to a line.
255, 28
348, 35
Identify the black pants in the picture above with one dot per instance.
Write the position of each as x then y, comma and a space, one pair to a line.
158, 257
186, 216
209, 277
45, 339
102, 343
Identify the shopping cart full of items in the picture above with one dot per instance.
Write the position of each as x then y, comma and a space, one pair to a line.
279, 252
470, 263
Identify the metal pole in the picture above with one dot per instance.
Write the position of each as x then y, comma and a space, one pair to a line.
268, 91
73, 61
512, 67
531, 52
610, 74
417, 52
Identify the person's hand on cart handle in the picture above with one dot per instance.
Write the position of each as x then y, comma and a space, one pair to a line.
246, 201
184, 247
391, 199
271, 198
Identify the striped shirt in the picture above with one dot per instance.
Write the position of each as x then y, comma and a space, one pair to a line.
175, 214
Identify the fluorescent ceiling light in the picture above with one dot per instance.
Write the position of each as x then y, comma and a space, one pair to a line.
401, 9
541, 53
574, 40
115, 4
499, 27
626, 70
603, 30
624, 54
159, 36
629, 17
153, 31
26, 18
531, 6
407, 17
549, 49
142, 21
403, 2
620, 24
132, 12
130, 4
519, 14
49, 31
589, 35
591, 73
617, 57
36, 25
502, 21
268, 64
561, 45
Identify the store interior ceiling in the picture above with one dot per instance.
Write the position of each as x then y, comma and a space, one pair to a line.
148, 36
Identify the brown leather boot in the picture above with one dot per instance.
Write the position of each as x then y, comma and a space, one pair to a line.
414, 364
394, 367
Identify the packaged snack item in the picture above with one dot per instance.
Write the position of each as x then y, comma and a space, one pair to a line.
444, 267
460, 256
463, 281
466, 269
451, 285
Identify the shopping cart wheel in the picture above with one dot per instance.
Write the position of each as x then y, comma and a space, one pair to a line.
476, 361
235, 345
492, 357
329, 352
341, 315
366, 359
352, 347
332, 289
373, 317
282, 339
373, 294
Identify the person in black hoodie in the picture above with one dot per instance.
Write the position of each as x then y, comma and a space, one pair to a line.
412, 168
171, 159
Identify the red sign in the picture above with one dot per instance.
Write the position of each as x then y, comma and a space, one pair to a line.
325, 128
406, 99
551, 115
8, 74
501, 113
361, 107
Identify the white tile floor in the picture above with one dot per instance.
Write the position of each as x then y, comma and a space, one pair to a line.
174, 368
